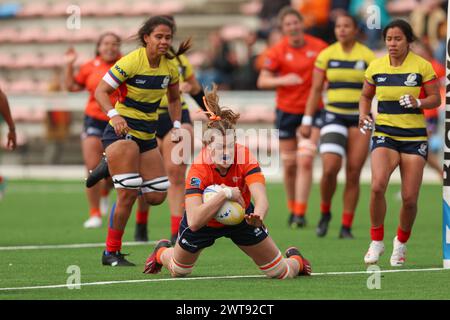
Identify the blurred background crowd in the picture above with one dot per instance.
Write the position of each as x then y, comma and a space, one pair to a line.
230, 38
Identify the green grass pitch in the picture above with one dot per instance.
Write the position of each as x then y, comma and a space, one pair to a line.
47, 213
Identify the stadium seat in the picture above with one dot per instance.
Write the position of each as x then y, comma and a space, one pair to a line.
140, 8
169, 7
59, 34
35, 8
58, 8
115, 8
86, 34
8, 34
22, 86
27, 60
233, 32
52, 60
91, 8
32, 34
7, 60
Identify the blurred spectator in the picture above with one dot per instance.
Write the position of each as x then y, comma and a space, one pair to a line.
220, 64
246, 75
268, 15
427, 20
432, 116
57, 124
360, 9
316, 15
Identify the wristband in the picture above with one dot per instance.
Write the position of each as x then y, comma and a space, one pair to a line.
199, 99
112, 113
419, 103
228, 193
307, 120
177, 124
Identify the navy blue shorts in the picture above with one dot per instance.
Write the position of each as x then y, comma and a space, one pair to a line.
242, 234
93, 127
419, 148
340, 119
109, 137
165, 124
287, 123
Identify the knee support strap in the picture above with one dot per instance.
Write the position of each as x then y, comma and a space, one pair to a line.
307, 148
127, 181
277, 268
178, 269
160, 184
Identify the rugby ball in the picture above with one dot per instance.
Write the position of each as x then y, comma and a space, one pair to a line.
231, 212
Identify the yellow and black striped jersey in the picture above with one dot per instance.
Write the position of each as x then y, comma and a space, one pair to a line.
141, 90
393, 120
186, 71
345, 74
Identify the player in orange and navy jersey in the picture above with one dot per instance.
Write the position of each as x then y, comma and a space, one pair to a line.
231, 165
288, 68
95, 120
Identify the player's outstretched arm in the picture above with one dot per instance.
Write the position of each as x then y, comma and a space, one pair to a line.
258, 191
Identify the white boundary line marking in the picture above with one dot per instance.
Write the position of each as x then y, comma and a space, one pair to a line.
73, 246
208, 278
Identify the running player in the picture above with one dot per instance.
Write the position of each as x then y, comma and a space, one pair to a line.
403, 84
11, 140
222, 161
342, 64
288, 68
95, 120
143, 77
175, 171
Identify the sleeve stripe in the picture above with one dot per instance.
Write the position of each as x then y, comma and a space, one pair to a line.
254, 170
110, 80
194, 191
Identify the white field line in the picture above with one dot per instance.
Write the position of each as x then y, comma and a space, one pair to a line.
208, 278
72, 246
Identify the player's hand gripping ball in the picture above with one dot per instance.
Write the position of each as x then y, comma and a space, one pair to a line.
231, 213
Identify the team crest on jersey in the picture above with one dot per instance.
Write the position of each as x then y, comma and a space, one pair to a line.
195, 182
165, 83
423, 149
236, 179
360, 65
411, 80
289, 56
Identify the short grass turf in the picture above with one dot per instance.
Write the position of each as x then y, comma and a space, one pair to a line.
52, 212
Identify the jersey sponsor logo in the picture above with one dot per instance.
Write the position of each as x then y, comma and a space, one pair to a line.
411, 80
381, 79
140, 81
195, 182
121, 71
165, 83
289, 56
423, 149
360, 65
334, 64
236, 179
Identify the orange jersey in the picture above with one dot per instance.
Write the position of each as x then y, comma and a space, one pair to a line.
89, 77
440, 72
283, 59
243, 172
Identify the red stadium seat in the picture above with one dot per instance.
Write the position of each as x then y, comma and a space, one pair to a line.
8, 34
32, 34
141, 8
86, 34
59, 34
22, 86
7, 60
28, 60
35, 8
58, 8
91, 8
52, 60
114, 9
233, 32
169, 7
